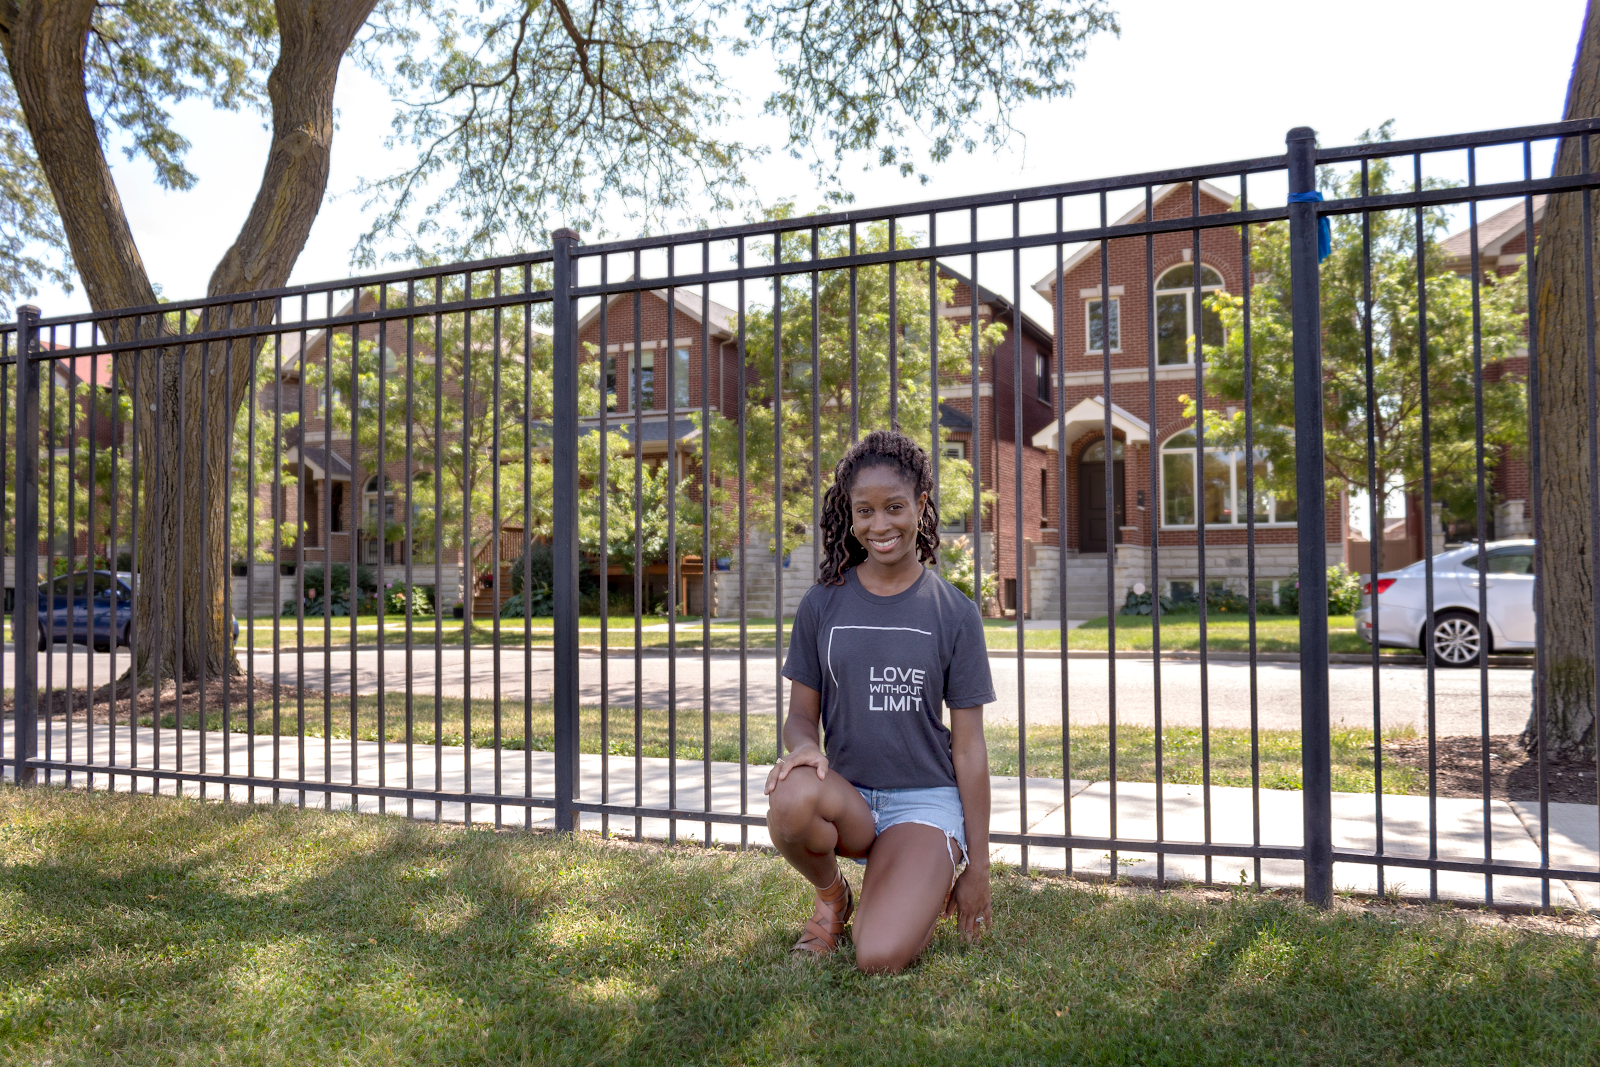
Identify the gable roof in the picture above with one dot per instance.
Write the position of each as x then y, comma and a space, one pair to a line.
1001, 304
1042, 286
724, 321
1494, 232
1089, 415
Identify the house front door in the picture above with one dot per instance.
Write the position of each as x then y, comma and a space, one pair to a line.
1092, 498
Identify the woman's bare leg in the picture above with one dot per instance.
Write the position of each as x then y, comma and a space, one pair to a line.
809, 818
909, 872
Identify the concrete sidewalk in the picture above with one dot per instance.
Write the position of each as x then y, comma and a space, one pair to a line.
1513, 827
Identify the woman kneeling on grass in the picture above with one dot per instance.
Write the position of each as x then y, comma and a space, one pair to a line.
879, 645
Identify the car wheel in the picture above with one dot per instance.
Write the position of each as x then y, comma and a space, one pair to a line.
1458, 639
43, 643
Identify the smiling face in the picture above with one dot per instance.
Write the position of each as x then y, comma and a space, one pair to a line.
885, 508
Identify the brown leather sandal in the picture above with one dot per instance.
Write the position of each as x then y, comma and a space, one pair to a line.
827, 922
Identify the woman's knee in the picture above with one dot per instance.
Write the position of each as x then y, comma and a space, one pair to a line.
877, 956
794, 799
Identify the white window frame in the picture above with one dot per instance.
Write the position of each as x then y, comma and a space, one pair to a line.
953, 450
680, 370
1187, 292
1236, 483
1089, 347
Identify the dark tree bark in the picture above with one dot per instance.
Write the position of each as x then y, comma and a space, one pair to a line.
183, 408
1566, 585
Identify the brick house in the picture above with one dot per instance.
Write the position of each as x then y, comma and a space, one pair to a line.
338, 499
717, 369
995, 446
666, 427
1502, 248
1181, 496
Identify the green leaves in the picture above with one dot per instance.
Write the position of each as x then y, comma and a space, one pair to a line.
32, 246
1396, 412
861, 75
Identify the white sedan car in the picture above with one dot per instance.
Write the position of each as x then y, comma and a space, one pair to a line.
1459, 636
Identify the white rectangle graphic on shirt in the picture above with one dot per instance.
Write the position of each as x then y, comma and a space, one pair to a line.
899, 700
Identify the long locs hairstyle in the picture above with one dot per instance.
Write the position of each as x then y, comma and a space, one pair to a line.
881, 448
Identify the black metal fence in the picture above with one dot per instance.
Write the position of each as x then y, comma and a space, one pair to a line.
544, 474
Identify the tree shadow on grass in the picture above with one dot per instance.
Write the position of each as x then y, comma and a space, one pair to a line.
148, 929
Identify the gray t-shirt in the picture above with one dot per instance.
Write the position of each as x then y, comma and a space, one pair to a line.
886, 666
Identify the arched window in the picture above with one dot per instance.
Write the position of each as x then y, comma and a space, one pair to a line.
370, 502
1096, 453
1217, 489
1175, 313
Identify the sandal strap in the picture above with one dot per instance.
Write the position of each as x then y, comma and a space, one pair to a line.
821, 936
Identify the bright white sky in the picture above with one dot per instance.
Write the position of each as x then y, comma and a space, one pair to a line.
1187, 83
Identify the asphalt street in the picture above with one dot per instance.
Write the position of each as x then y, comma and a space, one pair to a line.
1225, 686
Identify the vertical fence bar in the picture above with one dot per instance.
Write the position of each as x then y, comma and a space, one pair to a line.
9, 344
1376, 519
1019, 557
777, 478
1108, 446
527, 541
608, 394
564, 497
25, 617
1482, 506
975, 452
636, 407
708, 566
384, 519
1058, 395
1250, 530
48, 429
1305, 286
744, 536
1427, 533
673, 567
1197, 324
1535, 497
469, 577
1155, 531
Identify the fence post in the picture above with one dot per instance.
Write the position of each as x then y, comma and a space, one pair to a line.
1305, 286
564, 498
25, 573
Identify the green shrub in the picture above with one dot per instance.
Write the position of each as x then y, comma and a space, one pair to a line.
399, 599
366, 580
1145, 603
955, 564
1344, 592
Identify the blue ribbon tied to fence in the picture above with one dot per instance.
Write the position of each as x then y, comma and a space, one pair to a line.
1324, 228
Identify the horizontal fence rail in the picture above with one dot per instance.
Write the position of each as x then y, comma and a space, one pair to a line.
528, 534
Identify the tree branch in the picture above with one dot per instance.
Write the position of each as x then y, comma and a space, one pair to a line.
314, 37
44, 47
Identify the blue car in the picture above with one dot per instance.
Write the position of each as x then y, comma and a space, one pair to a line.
93, 608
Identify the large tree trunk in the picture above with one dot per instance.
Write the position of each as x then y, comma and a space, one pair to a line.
183, 407
1566, 585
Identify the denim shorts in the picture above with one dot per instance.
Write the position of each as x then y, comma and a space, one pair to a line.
936, 806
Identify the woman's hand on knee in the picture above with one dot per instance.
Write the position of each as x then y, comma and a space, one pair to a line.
807, 755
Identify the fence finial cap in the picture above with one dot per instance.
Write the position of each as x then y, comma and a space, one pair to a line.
1302, 133
565, 232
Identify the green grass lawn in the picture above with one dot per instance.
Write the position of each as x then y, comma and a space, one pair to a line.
1224, 633
1279, 750
141, 930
